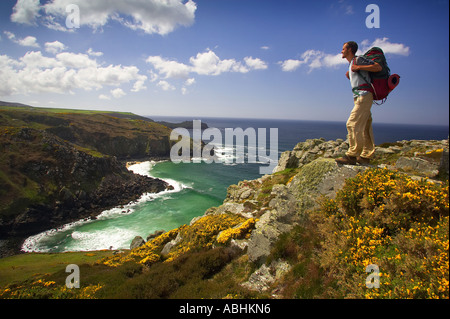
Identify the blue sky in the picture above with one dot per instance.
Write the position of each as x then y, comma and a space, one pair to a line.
222, 58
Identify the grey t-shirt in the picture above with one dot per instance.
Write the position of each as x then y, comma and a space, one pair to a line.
361, 77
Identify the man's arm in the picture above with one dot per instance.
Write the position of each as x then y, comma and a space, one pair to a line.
370, 68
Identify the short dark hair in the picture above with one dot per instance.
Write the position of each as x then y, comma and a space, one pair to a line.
353, 46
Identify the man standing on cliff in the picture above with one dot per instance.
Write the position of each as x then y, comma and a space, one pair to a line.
359, 123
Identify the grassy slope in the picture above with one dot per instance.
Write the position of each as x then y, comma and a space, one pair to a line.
19, 268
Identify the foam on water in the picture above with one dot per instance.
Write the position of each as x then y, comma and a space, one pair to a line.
95, 239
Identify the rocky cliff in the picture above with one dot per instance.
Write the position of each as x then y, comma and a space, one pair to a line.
309, 172
276, 205
57, 167
309, 230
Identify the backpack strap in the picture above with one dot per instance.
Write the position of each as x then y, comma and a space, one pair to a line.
363, 87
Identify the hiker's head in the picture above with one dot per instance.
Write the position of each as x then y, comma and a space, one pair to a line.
353, 46
349, 49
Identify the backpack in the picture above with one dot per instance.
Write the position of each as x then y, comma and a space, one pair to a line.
382, 82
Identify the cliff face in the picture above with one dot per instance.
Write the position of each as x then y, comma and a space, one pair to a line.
60, 167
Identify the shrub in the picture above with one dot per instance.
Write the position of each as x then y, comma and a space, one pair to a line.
201, 234
43, 289
383, 217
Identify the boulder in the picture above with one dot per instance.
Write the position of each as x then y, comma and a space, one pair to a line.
290, 203
265, 276
417, 165
138, 241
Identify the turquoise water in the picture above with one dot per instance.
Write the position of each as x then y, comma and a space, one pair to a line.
197, 187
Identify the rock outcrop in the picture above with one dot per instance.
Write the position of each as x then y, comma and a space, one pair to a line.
303, 175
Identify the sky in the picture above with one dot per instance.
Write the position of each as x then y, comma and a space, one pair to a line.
277, 59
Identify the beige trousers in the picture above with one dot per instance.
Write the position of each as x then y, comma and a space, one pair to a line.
359, 127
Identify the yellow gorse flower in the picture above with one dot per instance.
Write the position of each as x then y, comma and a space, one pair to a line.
201, 234
385, 218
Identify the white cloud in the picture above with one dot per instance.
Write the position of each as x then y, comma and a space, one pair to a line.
149, 16
139, 85
204, 63
52, 23
76, 60
117, 93
166, 86
189, 82
26, 11
265, 47
10, 35
54, 47
330, 60
169, 69
208, 63
315, 59
386, 46
63, 73
153, 76
28, 41
255, 63
348, 9
93, 53
290, 65
104, 97
35, 60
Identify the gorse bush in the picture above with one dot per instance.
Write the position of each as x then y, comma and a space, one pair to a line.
199, 253
42, 289
380, 217
206, 232
384, 218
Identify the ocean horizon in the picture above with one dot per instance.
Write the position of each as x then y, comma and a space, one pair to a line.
292, 131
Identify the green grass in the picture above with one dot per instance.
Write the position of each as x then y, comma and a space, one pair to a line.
59, 110
19, 268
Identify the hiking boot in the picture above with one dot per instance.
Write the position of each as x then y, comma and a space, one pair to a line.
362, 160
346, 160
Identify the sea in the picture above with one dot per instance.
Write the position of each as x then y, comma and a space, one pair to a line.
198, 185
